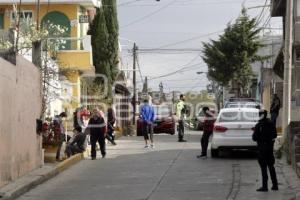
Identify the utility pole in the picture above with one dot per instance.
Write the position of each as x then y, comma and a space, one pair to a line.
37, 45
135, 48
288, 55
38, 15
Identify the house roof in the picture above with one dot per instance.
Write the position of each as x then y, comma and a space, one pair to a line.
81, 2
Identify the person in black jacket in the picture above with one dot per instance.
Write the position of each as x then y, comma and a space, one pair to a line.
111, 119
275, 107
97, 130
265, 134
208, 127
79, 143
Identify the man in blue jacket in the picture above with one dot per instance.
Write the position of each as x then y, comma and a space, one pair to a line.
148, 117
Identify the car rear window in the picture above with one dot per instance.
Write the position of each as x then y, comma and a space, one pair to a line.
163, 111
238, 117
242, 105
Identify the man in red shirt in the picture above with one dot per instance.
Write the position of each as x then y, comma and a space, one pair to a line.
208, 127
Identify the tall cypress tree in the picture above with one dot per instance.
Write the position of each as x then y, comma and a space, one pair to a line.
111, 17
100, 43
105, 32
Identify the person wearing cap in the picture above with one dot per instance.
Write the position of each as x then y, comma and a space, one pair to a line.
265, 134
79, 143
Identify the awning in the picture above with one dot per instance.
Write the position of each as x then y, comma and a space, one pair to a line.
278, 8
279, 64
121, 89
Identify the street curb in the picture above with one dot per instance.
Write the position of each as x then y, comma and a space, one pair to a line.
69, 162
24, 184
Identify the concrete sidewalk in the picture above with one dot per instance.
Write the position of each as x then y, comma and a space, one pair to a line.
36, 177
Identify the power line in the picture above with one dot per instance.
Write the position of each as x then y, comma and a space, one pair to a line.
128, 3
164, 47
189, 39
179, 49
183, 69
185, 66
261, 13
169, 51
267, 22
176, 80
149, 15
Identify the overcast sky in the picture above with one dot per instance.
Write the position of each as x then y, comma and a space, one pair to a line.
179, 26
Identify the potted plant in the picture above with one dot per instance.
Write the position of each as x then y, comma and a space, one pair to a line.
51, 139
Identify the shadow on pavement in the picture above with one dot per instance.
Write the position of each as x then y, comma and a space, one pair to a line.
238, 154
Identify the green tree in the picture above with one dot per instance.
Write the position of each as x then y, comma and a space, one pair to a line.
105, 32
111, 17
100, 42
230, 57
99, 34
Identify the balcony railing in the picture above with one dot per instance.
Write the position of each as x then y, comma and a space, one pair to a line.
70, 44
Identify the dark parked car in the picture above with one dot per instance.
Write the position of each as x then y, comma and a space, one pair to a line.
164, 121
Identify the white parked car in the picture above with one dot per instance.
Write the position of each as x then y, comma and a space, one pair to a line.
233, 129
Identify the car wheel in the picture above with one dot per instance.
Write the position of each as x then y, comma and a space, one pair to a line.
214, 153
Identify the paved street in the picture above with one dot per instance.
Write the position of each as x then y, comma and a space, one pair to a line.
171, 171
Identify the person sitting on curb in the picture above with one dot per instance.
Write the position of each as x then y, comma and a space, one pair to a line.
79, 143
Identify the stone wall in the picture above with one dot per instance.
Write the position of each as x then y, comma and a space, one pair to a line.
292, 145
20, 100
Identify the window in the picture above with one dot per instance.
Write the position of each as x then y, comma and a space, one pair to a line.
1, 20
162, 111
239, 117
24, 15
